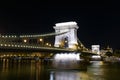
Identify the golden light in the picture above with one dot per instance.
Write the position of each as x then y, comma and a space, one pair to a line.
66, 41
25, 40
47, 44
41, 39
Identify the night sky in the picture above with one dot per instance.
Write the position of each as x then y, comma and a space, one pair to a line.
99, 23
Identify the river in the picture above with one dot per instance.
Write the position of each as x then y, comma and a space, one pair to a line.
36, 70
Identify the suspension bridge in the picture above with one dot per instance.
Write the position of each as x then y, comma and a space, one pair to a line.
65, 40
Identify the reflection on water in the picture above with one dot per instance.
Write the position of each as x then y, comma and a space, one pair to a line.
68, 75
36, 70
66, 61
25, 70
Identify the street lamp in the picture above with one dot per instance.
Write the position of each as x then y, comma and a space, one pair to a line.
41, 39
50, 45
47, 44
24, 40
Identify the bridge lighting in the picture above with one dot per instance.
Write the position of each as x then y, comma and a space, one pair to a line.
4, 55
40, 39
66, 41
3, 36
8, 44
5, 44
15, 45
47, 44
96, 56
18, 45
6, 36
24, 40
78, 56
66, 23
1, 44
96, 49
66, 57
21, 46
37, 47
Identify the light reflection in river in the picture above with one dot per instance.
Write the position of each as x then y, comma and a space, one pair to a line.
66, 61
68, 75
36, 70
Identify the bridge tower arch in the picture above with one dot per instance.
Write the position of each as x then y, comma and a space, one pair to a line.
69, 38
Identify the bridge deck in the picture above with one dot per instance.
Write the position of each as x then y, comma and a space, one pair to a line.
24, 47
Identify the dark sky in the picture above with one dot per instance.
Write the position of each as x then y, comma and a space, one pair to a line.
99, 23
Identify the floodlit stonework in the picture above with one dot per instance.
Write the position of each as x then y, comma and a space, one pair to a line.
68, 39
96, 49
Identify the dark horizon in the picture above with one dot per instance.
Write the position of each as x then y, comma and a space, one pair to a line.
98, 23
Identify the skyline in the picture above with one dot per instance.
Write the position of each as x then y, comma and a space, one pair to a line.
98, 24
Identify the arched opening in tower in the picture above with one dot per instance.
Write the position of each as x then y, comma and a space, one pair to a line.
64, 42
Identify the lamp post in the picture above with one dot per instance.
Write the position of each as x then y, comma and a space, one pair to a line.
41, 41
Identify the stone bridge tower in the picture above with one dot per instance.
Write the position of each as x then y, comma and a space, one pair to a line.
69, 38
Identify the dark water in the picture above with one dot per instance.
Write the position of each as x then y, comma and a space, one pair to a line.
32, 70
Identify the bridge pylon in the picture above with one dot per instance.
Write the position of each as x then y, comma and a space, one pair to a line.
68, 39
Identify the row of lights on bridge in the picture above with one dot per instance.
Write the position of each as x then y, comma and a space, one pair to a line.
25, 40
21, 46
14, 36
22, 36
8, 36
41, 40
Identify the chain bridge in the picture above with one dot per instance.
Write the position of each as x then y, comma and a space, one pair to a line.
64, 39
